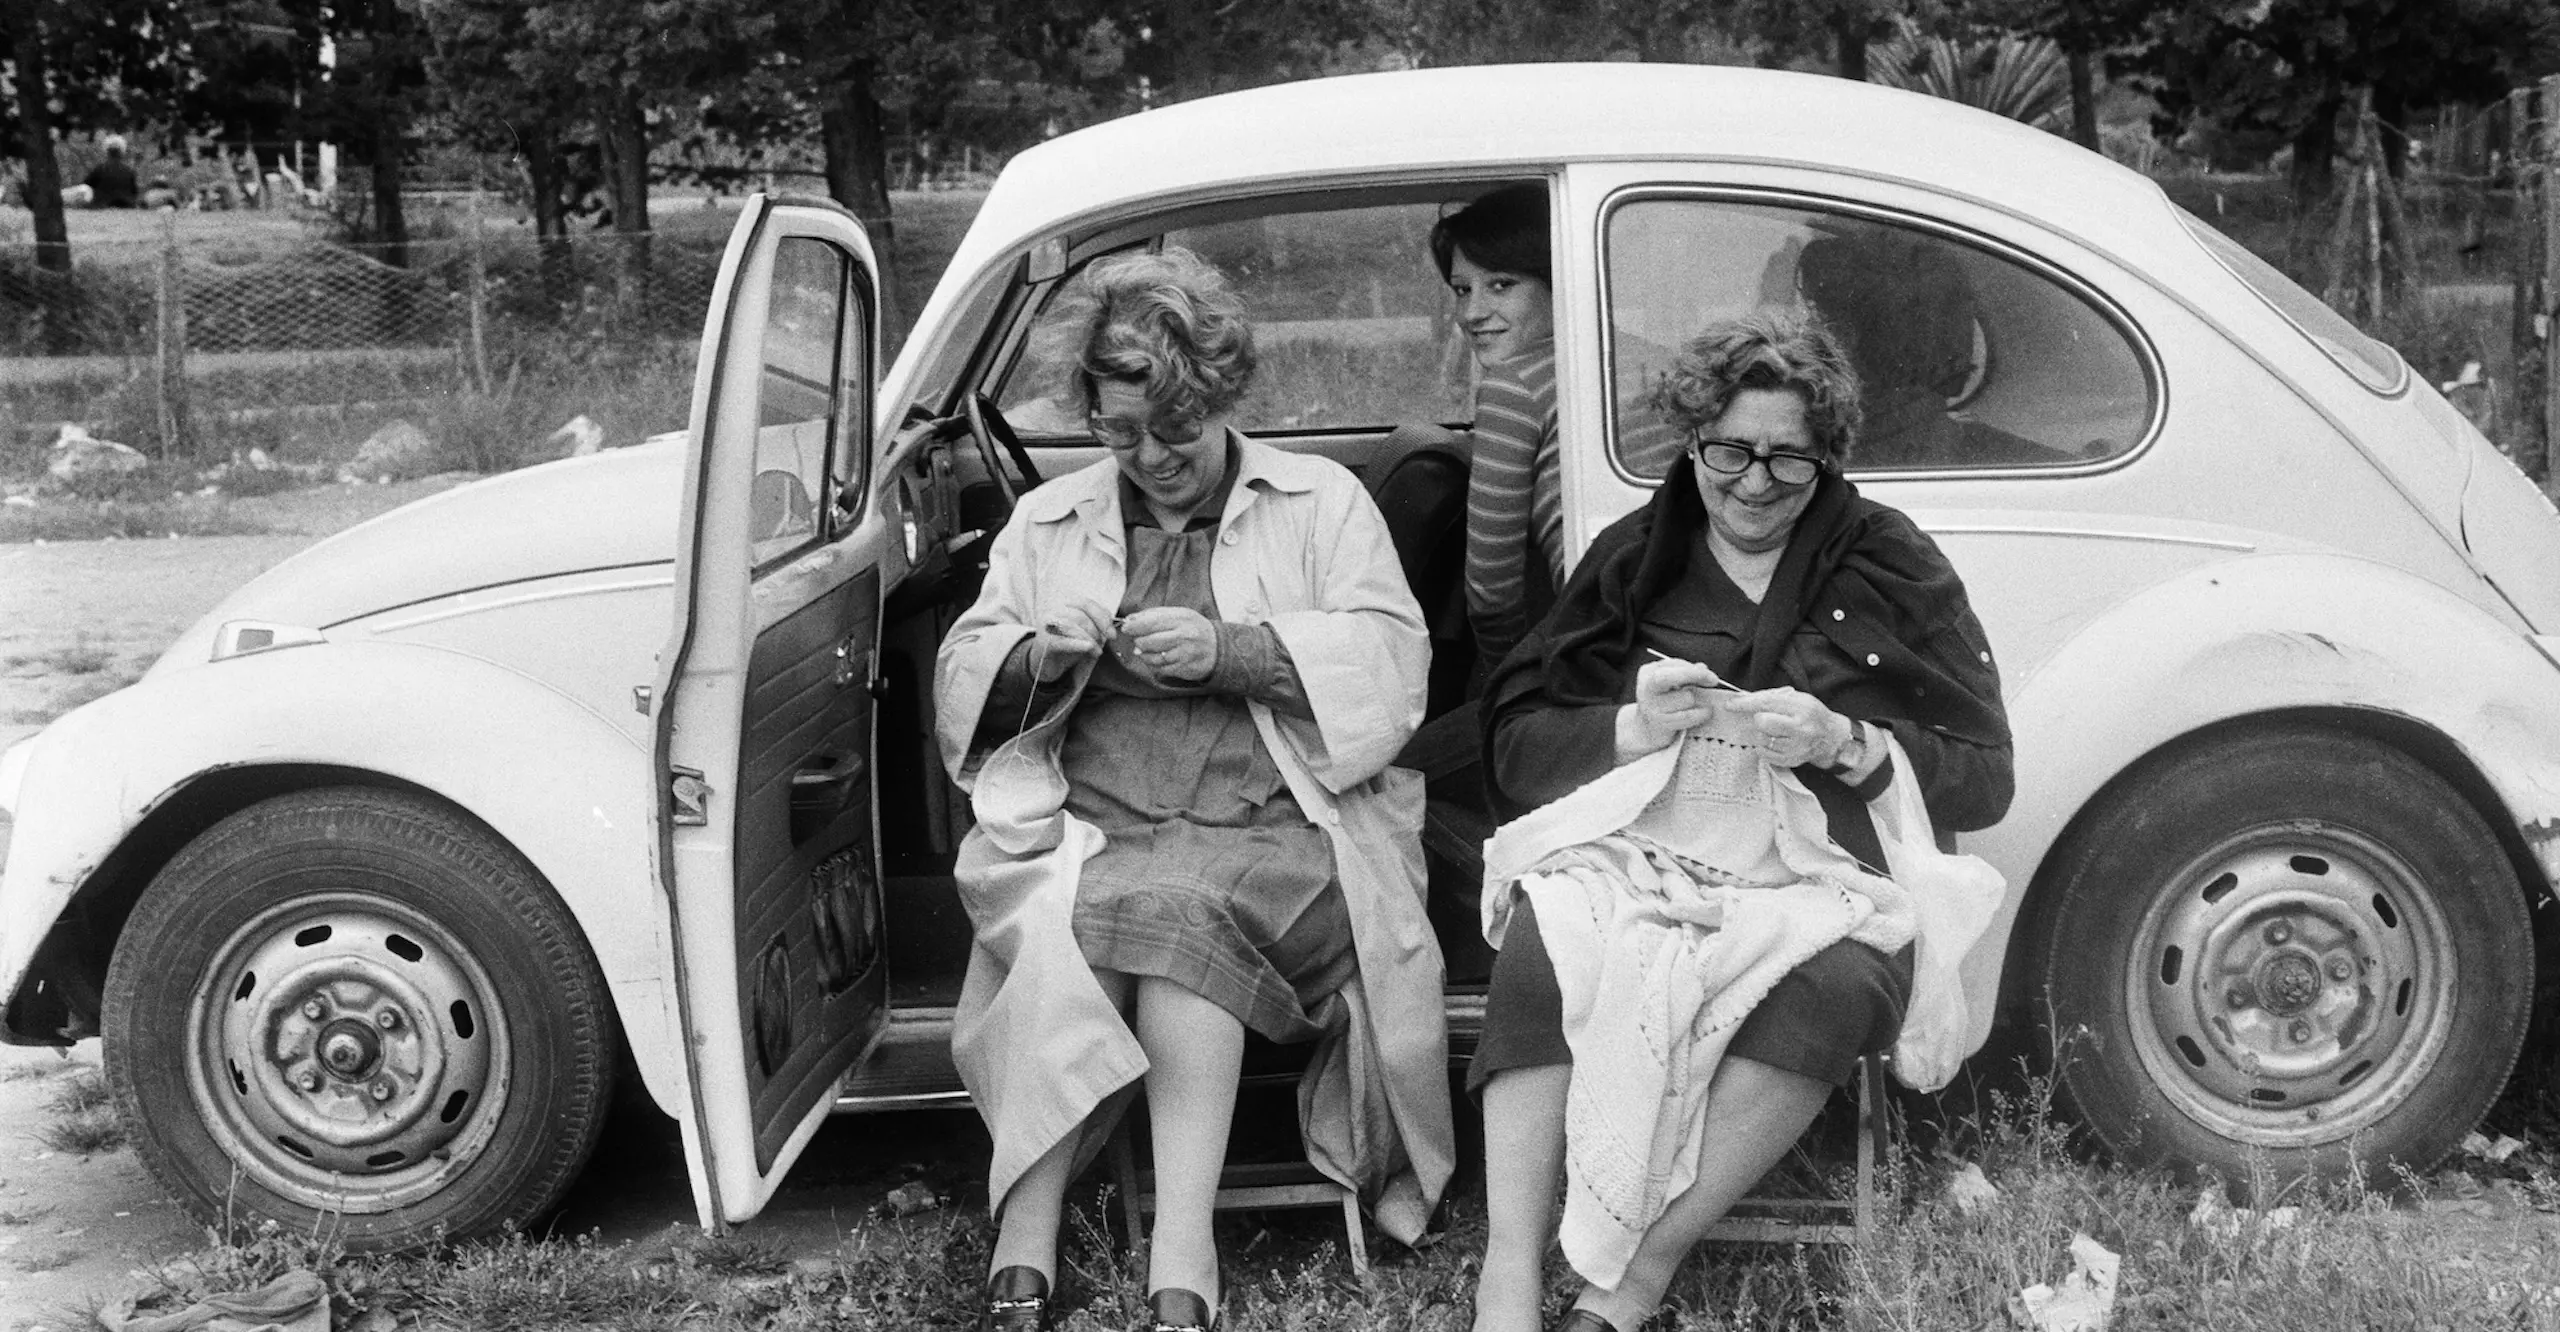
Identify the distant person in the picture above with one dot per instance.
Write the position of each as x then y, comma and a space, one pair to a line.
111, 183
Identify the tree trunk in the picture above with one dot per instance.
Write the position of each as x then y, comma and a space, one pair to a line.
623, 131
44, 170
2315, 145
544, 181
1849, 40
857, 152
2084, 99
390, 219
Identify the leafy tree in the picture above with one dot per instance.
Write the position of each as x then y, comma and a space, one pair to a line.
70, 65
2292, 66
470, 43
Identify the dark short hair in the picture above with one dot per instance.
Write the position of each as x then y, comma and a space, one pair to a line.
1168, 323
1505, 231
1766, 349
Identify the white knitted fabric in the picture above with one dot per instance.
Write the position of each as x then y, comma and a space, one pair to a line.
1692, 882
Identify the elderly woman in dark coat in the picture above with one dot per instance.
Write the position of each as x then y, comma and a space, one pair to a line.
1698, 942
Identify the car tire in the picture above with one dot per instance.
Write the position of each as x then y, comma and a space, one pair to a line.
359, 1011
2284, 953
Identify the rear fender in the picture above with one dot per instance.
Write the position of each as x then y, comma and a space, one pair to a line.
2272, 634
562, 784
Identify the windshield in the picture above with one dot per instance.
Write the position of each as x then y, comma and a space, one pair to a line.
2373, 364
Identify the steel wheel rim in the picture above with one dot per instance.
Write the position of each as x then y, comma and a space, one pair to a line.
2292, 985
347, 1053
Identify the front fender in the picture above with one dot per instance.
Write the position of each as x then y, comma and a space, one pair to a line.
562, 784
2266, 634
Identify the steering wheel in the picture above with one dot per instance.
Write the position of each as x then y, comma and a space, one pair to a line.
996, 440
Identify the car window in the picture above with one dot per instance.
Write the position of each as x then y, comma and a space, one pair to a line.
2373, 363
1350, 319
1966, 358
811, 385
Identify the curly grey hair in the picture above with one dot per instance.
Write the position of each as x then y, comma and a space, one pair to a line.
1766, 349
1166, 322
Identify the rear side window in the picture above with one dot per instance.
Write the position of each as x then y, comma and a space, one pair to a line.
1967, 358
1350, 319
2373, 364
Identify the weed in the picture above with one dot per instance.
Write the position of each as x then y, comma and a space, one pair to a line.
85, 1132
80, 1093
733, 1255
71, 520
30, 1072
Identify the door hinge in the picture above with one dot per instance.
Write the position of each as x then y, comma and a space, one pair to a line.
691, 797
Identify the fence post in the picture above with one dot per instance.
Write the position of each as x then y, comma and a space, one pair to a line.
2524, 431
477, 295
169, 358
2546, 177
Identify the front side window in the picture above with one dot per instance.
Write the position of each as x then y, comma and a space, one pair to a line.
809, 390
1350, 319
1967, 358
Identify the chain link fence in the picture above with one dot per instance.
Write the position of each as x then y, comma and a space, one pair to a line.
194, 349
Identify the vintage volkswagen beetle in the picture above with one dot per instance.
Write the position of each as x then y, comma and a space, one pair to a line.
368, 880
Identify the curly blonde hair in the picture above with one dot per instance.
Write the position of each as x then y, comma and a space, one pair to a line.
1167, 322
1766, 349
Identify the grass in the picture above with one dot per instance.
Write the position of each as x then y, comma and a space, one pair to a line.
2362, 1254
85, 1132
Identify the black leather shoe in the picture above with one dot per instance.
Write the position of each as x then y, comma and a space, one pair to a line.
1174, 1309
1017, 1301
1583, 1320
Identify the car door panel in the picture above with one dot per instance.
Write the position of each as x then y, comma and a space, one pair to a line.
768, 832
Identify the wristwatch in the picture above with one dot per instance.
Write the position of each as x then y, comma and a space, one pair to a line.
1852, 753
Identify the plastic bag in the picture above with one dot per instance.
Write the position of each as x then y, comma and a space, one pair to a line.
1955, 897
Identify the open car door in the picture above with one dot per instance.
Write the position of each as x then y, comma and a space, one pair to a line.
766, 822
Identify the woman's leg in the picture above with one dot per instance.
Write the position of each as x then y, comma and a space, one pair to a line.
1523, 1155
1755, 1112
1027, 1230
1194, 1049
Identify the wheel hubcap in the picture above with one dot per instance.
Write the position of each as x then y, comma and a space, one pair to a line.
2291, 985
348, 1052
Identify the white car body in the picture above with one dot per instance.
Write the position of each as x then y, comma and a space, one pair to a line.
2282, 541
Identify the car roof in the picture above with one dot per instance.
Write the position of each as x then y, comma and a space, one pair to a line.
1496, 116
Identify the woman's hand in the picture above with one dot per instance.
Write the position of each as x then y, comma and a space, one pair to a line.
1172, 644
1671, 696
1795, 727
1065, 640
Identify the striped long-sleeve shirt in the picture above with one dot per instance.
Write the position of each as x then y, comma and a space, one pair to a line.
1515, 507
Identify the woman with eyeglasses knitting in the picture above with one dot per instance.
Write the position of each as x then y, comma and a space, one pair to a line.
1698, 940
1173, 707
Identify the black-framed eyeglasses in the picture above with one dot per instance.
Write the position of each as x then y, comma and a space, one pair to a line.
1113, 432
1733, 457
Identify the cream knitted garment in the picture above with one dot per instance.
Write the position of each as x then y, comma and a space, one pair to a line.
1671, 893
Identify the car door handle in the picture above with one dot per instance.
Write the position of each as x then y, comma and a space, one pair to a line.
820, 789
853, 661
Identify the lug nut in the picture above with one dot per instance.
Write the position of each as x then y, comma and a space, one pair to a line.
308, 1080
388, 1019
2300, 1032
2237, 996
311, 1009
2340, 968
382, 1091
2278, 931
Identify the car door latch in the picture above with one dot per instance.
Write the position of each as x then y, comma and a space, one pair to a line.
690, 796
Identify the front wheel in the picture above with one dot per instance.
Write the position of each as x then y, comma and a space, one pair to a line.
356, 1009
2288, 953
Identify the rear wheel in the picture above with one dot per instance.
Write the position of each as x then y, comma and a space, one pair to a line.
357, 1009
2286, 953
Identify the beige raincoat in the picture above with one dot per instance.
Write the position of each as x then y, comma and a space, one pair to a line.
1303, 550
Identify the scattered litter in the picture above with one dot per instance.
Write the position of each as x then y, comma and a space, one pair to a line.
2082, 1302
2480, 1145
20, 501
1970, 1190
124, 1213
2220, 1219
295, 1302
910, 1198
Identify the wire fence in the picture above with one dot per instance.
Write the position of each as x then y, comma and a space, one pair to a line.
192, 348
